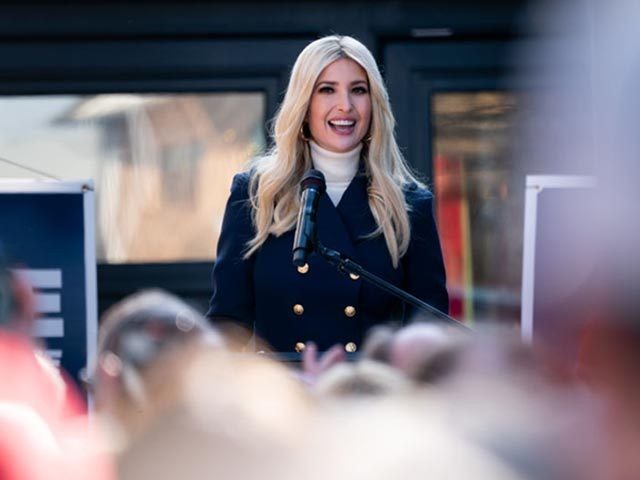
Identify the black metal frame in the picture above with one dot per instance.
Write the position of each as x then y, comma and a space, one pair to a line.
418, 70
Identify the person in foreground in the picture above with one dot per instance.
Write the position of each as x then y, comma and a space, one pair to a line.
335, 118
44, 429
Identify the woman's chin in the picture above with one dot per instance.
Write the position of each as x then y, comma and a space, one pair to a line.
340, 145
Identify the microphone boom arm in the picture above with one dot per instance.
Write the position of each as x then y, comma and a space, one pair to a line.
345, 265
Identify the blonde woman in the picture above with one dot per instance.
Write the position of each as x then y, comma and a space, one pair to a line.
336, 118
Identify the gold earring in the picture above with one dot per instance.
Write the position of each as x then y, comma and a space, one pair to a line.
304, 135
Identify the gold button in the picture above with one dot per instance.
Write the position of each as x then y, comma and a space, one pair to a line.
349, 311
354, 276
350, 347
304, 268
298, 309
300, 346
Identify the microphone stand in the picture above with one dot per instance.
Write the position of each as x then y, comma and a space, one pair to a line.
345, 265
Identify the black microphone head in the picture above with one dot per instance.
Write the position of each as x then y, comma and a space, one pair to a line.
313, 179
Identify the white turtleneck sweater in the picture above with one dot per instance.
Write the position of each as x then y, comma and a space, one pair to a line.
338, 168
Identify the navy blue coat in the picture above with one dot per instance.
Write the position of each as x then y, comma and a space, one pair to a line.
267, 294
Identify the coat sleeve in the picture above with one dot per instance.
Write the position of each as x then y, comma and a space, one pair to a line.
425, 275
232, 275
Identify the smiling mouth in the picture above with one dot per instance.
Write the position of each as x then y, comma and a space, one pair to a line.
342, 127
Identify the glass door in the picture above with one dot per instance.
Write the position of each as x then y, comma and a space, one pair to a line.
479, 201
456, 119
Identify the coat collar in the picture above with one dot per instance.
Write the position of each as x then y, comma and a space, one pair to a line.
343, 226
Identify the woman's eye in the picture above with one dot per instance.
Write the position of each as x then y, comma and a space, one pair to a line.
360, 90
325, 89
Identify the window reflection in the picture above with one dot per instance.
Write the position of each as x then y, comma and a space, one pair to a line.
162, 164
479, 202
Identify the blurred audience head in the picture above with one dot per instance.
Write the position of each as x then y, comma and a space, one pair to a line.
365, 378
17, 300
6, 299
224, 415
43, 428
134, 336
394, 436
423, 351
377, 344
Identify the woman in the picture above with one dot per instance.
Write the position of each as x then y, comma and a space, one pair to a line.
336, 118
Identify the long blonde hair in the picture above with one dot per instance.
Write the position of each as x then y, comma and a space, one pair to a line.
275, 184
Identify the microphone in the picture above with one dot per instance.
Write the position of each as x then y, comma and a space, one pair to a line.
312, 186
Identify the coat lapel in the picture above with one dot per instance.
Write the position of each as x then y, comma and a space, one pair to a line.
332, 232
345, 226
354, 211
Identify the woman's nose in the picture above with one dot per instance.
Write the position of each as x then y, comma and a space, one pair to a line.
345, 103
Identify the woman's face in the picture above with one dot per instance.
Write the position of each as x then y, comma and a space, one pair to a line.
340, 108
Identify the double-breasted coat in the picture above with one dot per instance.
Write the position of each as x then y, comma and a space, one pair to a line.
288, 306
